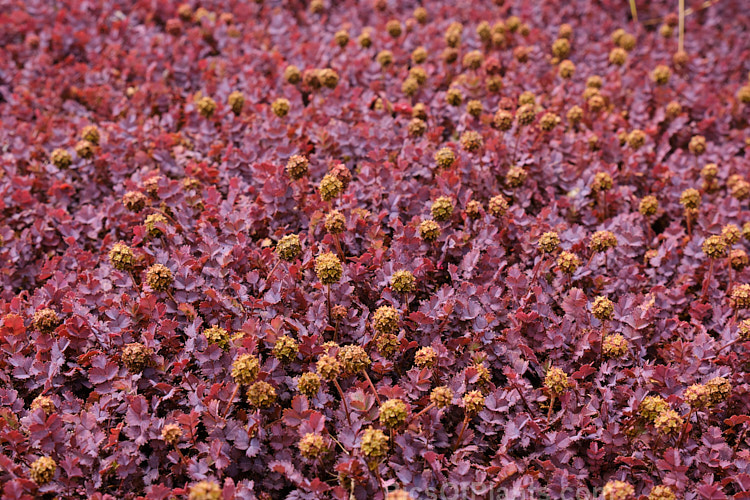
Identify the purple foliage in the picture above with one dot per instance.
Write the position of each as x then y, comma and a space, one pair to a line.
161, 336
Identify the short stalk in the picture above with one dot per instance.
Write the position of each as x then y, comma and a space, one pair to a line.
681, 39
407, 299
182, 457
171, 219
273, 269
740, 438
380, 482
536, 141
340, 445
591, 259
633, 11
372, 386
231, 399
707, 280
343, 401
683, 432
650, 231
523, 398
518, 140
464, 424
337, 244
537, 267
424, 410
730, 344
551, 406
330, 315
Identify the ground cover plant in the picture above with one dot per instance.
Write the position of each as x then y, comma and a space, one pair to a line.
386, 249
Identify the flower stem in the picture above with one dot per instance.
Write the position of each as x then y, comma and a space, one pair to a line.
518, 140
537, 267
176, 224
551, 405
340, 445
633, 11
683, 432
739, 439
231, 399
380, 482
588, 264
651, 234
182, 457
337, 244
424, 410
464, 424
681, 39
523, 398
330, 315
730, 344
407, 299
707, 280
372, 386
270, 273
343, 401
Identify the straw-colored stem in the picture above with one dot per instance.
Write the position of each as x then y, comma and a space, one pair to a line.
633, 11
424, 410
